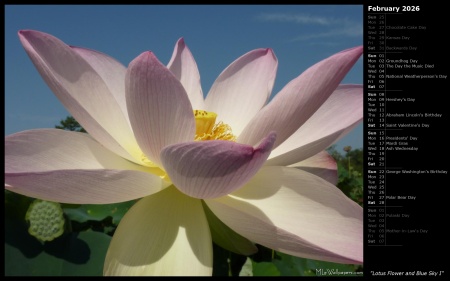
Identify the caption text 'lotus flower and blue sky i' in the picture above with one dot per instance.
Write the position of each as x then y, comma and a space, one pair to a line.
156, 133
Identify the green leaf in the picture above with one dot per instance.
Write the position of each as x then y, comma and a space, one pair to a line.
265, 269
16, 205
98, 212
93, 251
74, 254
252, 268
292, 266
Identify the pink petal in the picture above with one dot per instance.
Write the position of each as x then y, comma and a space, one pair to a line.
243, 88
160, 111
84, 89
336, 117
300, 98
72, 167
297, 213
322, 164
114, 80
183, 66
53, 149
104, 186
212, 169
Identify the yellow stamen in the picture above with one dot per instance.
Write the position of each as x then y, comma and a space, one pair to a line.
207, 129
204, 122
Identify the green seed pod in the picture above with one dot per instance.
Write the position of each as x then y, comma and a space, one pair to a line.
46, 220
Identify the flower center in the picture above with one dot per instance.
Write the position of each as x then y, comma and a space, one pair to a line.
207, 129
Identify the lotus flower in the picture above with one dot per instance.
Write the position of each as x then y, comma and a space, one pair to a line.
232, 167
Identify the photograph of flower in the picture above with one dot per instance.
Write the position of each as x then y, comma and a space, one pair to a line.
177, 140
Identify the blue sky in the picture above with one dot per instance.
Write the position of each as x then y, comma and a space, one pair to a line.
300, 36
